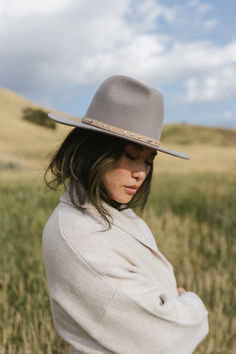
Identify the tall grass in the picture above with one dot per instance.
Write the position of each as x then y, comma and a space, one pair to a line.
193, 220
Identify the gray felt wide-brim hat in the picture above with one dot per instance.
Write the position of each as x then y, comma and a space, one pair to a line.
125, 108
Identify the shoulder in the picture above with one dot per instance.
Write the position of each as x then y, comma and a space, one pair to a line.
68, 236
82, 231
70, 223
71, 236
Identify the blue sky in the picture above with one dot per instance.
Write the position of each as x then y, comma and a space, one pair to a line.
57, 52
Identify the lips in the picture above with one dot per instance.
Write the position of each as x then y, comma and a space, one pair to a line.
131, 189
134, 186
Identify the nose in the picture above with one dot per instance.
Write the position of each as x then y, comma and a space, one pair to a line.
139, 172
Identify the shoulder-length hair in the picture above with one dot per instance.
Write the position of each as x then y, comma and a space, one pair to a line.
80, 164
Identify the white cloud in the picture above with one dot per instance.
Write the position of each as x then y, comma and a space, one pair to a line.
53, 46
201, 91
150, 10
26, 8
210, 24
208, 71
200, 6
82, 45
217, 86
137, 57
50, 51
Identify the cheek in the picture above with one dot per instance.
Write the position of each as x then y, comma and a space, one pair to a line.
108, 180
114, 178
119, 176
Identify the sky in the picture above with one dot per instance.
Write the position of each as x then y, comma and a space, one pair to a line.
57, 53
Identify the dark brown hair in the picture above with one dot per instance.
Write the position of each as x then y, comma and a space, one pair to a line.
80, 164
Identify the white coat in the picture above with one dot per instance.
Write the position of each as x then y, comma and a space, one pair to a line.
113, 291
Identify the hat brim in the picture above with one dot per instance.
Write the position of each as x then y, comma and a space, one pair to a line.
77, 122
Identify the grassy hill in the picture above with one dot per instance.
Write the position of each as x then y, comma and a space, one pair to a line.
211, 149
185, 134
24, 144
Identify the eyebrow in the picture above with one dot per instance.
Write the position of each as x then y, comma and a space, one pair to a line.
139, 147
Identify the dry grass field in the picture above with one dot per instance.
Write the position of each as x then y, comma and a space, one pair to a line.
191, 211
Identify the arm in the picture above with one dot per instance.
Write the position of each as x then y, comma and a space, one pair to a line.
148, 321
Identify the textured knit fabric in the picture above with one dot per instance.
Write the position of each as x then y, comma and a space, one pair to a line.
113, 291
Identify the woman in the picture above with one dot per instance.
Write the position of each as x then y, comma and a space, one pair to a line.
111, 290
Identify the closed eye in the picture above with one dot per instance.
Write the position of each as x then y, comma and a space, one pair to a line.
133, 158
130, 156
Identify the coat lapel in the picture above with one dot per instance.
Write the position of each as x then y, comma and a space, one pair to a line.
125, 220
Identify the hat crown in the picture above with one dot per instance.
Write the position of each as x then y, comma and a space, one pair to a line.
130, 105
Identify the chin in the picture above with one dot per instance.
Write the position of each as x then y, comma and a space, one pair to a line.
123, 200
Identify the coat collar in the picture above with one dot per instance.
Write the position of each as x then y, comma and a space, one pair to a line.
125, 220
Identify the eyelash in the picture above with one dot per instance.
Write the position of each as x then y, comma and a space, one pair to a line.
133, 158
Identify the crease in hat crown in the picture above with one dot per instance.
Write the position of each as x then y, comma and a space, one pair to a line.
128, 104
125, 107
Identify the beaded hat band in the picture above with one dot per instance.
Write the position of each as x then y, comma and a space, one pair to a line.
121, 132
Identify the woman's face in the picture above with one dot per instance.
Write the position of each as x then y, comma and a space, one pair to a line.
133, 167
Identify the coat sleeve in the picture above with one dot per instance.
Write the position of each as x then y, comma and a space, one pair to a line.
141, 317
150, 321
